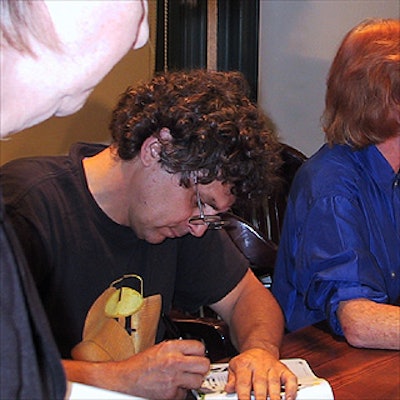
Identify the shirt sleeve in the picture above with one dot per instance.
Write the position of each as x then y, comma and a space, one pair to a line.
334, 262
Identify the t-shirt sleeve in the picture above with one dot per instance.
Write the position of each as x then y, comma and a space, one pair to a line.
208, 269
334, 263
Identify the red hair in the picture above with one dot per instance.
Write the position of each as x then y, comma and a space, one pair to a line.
362, 103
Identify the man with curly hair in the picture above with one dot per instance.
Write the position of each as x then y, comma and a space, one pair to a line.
185, 147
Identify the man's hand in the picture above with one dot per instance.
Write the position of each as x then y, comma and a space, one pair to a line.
163, 371
258, 371
256, 328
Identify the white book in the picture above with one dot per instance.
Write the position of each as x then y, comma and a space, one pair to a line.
311, 387
79, 391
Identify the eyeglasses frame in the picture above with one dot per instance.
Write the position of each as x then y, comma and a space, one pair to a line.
213, 222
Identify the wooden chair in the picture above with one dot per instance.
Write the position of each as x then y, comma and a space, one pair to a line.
256, 229
259, 251
267, 216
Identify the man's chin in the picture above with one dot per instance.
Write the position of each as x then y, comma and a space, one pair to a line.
155, 240
159, 239
72, 104
65, 111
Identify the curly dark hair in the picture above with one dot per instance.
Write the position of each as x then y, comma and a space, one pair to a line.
216, 130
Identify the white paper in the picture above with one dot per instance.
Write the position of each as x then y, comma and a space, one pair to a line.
79, 391
310, 386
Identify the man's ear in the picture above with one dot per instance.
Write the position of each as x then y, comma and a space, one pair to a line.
151, 147
155, 150
150, 150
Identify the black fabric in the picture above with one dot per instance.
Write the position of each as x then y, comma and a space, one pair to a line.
30, 365
75, 251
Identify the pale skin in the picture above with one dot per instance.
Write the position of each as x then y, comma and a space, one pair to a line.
58, 81
168, 369
365, 323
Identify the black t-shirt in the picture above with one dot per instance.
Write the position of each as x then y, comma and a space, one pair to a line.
30, 365
75, 250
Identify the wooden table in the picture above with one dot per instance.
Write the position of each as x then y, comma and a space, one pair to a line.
354, 374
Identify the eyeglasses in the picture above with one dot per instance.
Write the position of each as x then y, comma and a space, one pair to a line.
212, 221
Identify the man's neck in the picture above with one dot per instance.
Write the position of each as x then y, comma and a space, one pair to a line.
107, 180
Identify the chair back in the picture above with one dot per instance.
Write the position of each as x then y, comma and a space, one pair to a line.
259, 251
267, 216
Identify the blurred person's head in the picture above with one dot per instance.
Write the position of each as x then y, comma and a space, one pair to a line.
53, 53
363, 87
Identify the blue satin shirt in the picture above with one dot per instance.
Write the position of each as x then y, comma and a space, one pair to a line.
341, 236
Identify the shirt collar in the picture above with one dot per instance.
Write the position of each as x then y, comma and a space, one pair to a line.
376, 165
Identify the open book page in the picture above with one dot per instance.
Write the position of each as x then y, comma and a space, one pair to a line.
79, 391
310, 386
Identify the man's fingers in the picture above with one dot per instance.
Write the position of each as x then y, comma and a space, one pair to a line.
243, 383
291, 385
187, 347
190, 355
262, 383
